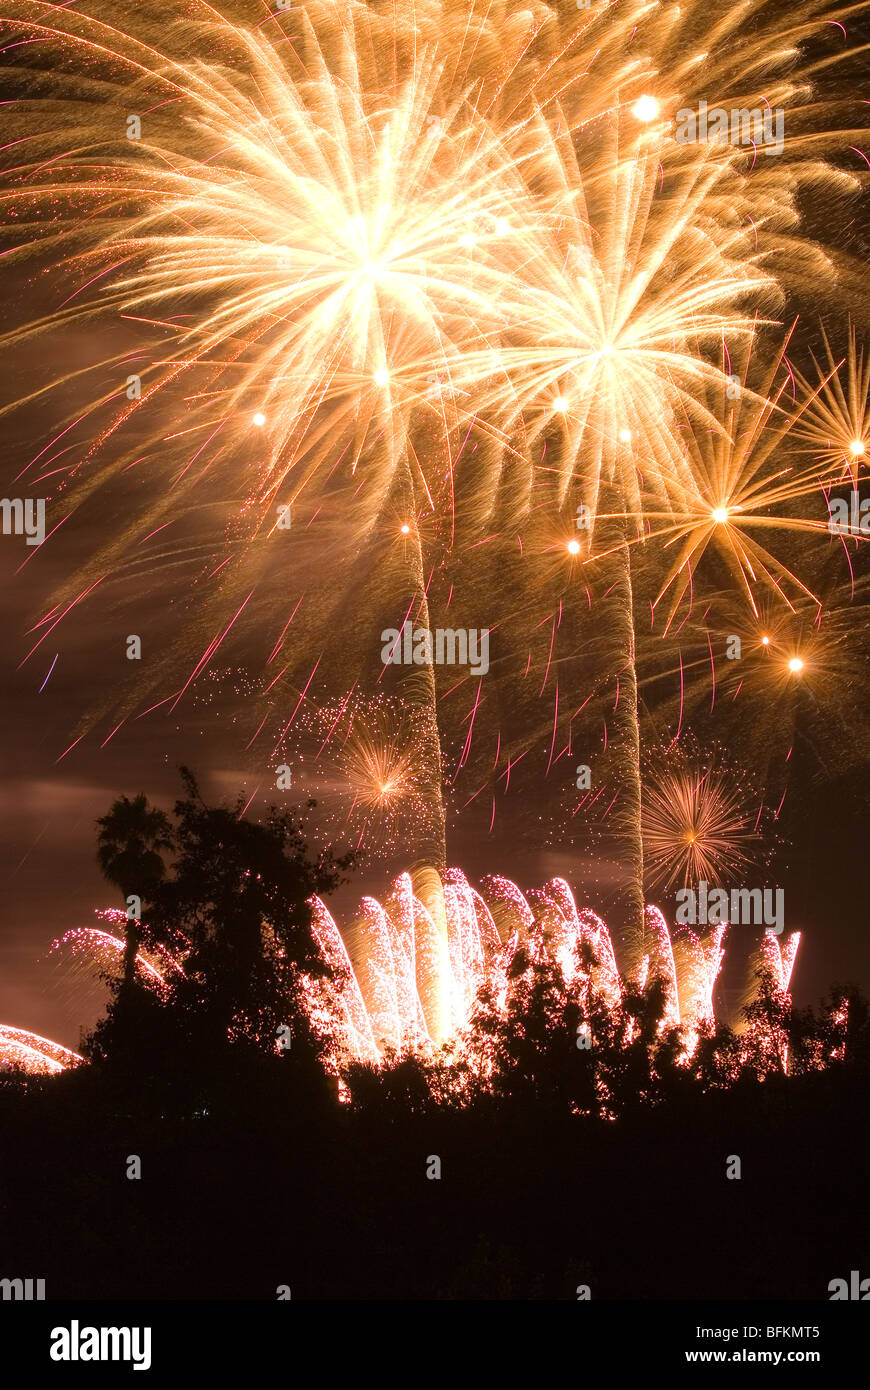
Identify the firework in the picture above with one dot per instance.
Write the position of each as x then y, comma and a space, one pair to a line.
306, 250
366, 757
325, 234
740, 483
29, 1052
88, 951
836, 422
695, 827
393, 989
438, 270
768, 680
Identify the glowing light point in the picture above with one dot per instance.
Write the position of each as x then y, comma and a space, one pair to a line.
765, 641
795, 664
259, 419
560, 404
406, 529
625, 436
856, 448
720, 515
468, 239
382, 376
645, 109
573, 547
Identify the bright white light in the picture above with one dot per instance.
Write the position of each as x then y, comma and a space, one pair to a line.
259, 419
573, 547
645, 108
560, 404
795, 664
382, 376
856, 448
502, 226
405, 529
765, 641
720, 515
625, 436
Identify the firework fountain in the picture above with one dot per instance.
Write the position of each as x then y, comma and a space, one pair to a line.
391, 987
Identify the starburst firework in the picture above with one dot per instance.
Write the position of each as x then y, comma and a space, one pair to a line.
695, 826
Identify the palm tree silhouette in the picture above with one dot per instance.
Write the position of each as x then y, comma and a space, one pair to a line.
131, 838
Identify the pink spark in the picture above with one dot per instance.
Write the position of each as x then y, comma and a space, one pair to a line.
50, 669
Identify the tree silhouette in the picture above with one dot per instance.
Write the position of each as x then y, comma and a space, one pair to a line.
237, 898
235, 906
240, 896
770, 1017
131, 838
568, 1048
838, 1035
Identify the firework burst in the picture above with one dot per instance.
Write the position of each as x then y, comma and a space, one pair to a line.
836, 422
364, 760
695, 826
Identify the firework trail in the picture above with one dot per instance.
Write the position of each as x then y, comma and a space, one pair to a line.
450, 262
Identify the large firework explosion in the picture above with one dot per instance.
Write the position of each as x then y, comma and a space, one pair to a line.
395, 299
